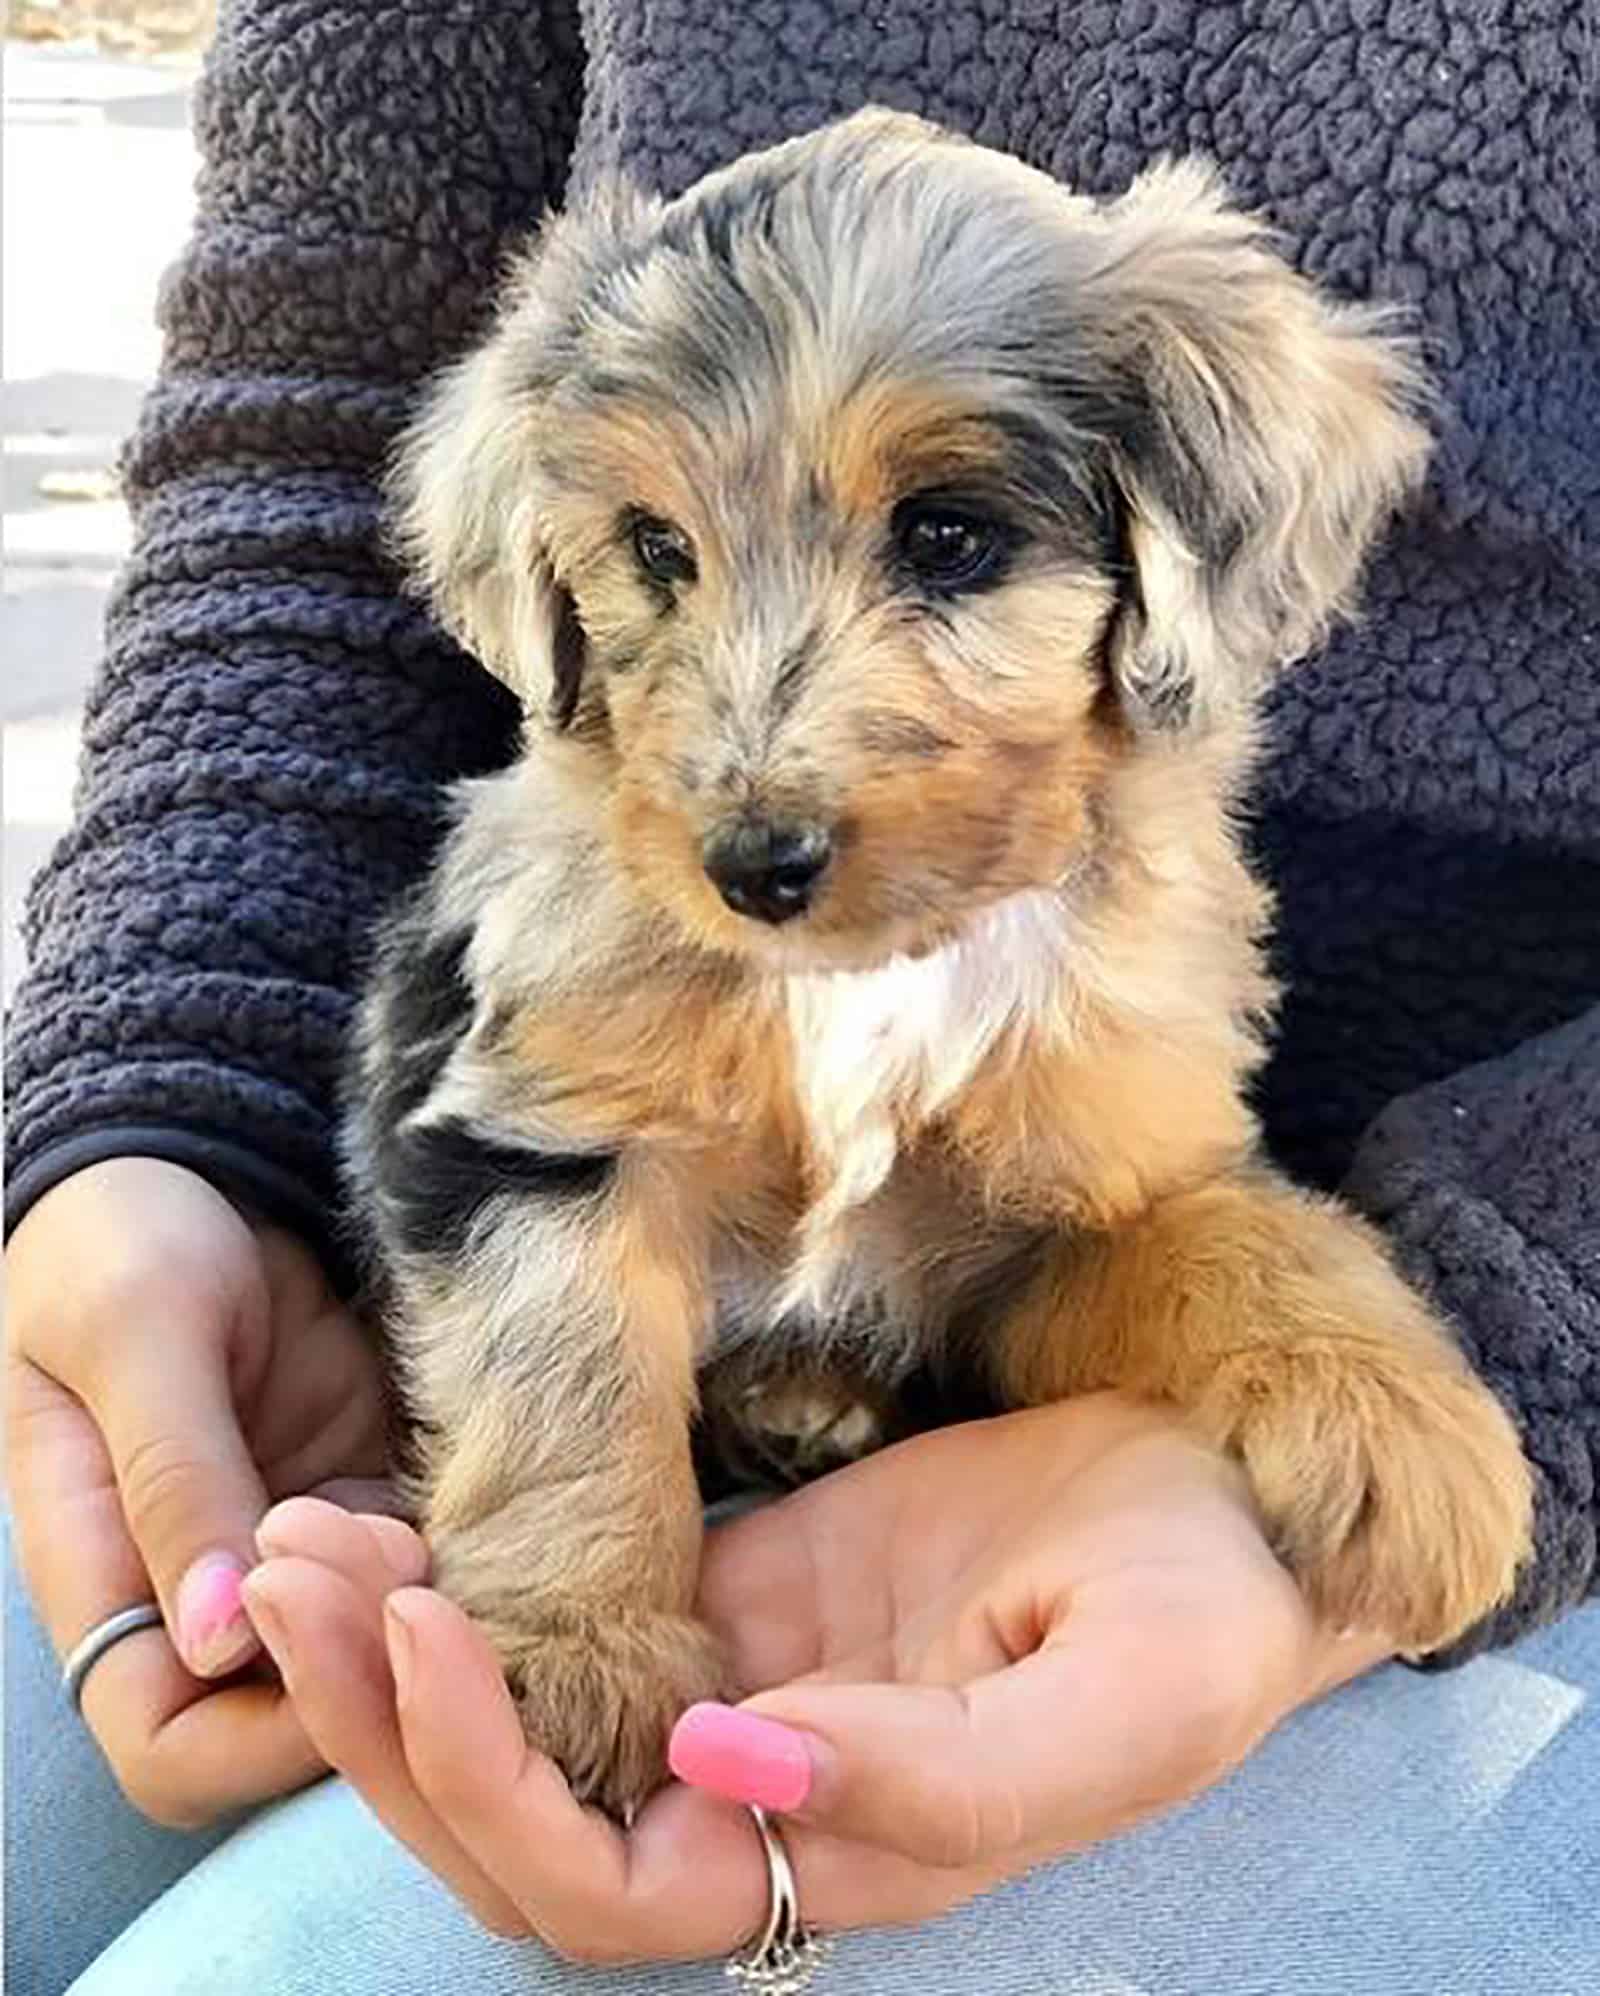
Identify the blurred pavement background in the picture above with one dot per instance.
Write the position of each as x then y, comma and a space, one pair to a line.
98, 191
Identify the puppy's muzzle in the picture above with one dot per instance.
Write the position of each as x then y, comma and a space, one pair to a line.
767, 870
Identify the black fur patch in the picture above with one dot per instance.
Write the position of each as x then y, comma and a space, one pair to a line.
429, 1009
437, 1178
1116, 559
1176, 440
567, 653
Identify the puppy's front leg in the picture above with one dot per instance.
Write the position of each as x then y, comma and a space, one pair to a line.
549, 1363
1388, 1476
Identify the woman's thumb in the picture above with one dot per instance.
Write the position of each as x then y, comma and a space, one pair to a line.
193, 1497
899, 1766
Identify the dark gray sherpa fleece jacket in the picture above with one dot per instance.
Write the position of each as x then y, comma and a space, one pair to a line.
268, 739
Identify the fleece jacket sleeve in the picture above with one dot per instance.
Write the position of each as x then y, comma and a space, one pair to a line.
1488, 1187
265, 745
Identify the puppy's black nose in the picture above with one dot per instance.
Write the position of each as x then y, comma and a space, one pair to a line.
767, 871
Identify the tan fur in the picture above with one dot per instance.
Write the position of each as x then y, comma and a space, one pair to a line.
985, 1105
1388, 1478
575, 1539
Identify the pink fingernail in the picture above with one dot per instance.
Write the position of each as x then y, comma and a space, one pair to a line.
741, 1756
214, 1632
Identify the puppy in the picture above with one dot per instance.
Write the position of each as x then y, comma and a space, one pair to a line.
858, 974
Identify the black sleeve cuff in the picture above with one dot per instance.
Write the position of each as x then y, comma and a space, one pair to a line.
251, 1181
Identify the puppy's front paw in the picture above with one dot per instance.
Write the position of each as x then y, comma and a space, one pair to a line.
1395, 1490
600, 1692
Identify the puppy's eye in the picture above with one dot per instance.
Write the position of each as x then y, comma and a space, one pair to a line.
661, 550
946, 548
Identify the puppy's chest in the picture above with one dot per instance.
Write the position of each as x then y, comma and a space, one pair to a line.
815, 1109
882, 1053
873, 1058
886, 1236
877, 1064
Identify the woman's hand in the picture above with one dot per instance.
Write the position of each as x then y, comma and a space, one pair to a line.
171, 1371
975, 1651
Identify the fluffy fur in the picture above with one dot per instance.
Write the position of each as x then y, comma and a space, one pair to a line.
980, 1107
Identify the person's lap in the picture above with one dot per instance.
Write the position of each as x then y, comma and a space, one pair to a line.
1413, 1835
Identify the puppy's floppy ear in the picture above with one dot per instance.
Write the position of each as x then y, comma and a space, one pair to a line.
467, 515
469, 484
1272, 432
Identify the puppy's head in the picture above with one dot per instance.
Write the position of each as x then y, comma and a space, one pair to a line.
863, 507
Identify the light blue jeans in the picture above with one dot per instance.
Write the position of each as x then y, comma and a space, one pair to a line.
1412, 1836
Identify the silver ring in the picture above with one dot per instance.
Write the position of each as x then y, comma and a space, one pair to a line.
783, 1957
103, 1636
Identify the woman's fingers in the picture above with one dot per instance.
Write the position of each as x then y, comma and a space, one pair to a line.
429, 1735
320, 1615
374, 1550
689, 1880
436, 1749
434, 1744
190, 1491
149, 1331
184, 1750
227, 1749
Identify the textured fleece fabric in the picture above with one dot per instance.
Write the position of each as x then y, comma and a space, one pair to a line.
274, 720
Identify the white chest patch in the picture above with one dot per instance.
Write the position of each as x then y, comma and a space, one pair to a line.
880, 1049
